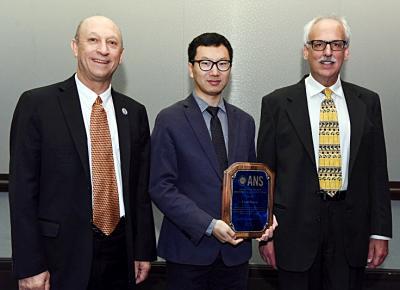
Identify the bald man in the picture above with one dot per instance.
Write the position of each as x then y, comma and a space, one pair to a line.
74, 227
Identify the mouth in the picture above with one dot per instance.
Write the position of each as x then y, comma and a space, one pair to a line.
214, 82
100, 61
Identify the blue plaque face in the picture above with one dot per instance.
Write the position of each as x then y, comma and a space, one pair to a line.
249, 206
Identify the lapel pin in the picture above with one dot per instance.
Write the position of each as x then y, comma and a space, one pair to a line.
124, 111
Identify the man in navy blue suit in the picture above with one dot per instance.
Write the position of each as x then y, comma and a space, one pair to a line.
202, 251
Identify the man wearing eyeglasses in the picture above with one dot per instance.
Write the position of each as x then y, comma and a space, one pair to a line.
193, 142
324, 139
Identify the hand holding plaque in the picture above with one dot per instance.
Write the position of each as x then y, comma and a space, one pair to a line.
247, 198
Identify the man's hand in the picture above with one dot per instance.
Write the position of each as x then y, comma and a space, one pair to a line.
267, 253
142, 269
269, 233
38, 282
378, 250
224, 233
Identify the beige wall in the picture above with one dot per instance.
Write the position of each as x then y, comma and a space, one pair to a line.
266, 36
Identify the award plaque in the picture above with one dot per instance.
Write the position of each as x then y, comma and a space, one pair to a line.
247, 198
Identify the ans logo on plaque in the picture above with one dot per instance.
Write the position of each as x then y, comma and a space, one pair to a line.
247, 198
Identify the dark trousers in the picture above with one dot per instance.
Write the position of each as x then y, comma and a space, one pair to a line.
109, 265
330, 270
216, 276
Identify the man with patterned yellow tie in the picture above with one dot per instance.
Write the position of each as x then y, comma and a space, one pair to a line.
324, 139
81, 217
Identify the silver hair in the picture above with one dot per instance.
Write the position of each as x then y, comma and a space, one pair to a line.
341, 20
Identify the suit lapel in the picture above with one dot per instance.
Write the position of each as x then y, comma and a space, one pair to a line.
196, 121
357, 112
122, 117
71, 107
297, 110
232, 132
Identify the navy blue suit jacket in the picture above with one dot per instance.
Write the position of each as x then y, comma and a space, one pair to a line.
185, 182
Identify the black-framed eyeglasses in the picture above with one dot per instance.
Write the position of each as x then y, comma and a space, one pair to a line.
320, 45
206, 65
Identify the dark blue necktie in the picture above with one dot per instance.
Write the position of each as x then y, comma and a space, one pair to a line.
217, 137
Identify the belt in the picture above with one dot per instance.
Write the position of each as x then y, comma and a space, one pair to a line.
339, 195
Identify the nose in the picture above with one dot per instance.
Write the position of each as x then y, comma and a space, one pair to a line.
103, 48
328, 49
214, 70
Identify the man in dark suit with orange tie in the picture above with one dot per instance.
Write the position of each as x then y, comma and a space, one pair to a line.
81, 216
324, 139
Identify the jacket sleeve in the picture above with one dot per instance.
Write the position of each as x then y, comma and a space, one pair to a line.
266, 136
381, 217
173, 203
145, 242
24, 189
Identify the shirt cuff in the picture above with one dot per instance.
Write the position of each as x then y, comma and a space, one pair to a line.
210, 228
378, 237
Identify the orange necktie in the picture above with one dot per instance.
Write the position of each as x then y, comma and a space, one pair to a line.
105, 192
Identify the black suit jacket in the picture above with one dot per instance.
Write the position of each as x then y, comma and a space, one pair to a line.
50, 185
285, 145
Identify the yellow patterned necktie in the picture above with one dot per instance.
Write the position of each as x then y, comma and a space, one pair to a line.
329, 156
105, 192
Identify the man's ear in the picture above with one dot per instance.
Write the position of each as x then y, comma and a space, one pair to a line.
121, 56
346, 54
305, 52
74, 46
190, 68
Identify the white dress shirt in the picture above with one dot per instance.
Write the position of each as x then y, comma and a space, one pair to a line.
87, 97
314, 100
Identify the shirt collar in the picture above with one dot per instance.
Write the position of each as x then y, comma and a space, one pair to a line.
88, 96
314, 88
203, 104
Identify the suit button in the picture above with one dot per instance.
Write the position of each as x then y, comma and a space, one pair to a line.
318, 219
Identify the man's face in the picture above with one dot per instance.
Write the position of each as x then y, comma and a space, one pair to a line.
325, 65
98, 50
209, 83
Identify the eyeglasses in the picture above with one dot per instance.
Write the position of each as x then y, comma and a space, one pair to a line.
207, 65
320, 45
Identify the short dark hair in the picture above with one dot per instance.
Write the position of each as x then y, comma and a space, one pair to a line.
208, 39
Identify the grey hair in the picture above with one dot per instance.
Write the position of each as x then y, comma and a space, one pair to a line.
78, 29
341, 20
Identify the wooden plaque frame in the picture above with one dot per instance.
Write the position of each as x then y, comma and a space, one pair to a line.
227, 192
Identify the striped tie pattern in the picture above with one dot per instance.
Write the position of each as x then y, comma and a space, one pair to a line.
105, 193
329, 156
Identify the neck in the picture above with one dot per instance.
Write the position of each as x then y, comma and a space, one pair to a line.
211, 100
326, 82
98, 87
